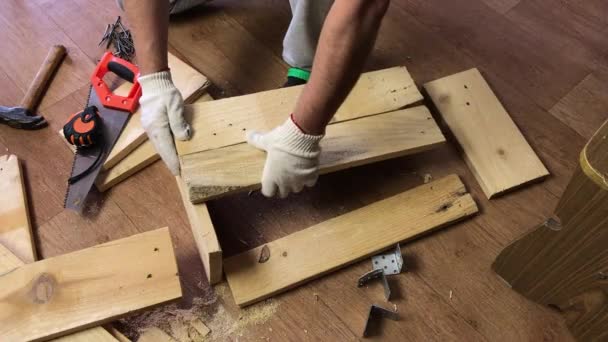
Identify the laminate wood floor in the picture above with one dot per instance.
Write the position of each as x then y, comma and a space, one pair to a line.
547, 60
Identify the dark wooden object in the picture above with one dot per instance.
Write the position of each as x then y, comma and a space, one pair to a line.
564, 261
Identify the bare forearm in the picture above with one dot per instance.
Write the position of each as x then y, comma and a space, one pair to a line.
347, 38
149, 21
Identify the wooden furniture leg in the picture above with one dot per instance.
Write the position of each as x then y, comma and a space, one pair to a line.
564, 261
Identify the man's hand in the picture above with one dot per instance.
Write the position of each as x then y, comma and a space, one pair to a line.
292, 160
162, 112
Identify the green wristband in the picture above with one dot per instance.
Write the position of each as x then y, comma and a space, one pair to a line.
299, 73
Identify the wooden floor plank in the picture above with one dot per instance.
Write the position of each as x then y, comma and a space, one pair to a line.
28, 33
219, 172
83, 21
67, 293
441, 39
520, 58
576, 26
585, 108
222, 50
346, 239
494, 148
15, 227
224, 122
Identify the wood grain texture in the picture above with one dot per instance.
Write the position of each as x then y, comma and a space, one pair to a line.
231, 169
203, 231
40, 82
585, 108
78, 290
9, 262
97, 334
563, 262
495, 150
187, 80
337, 242
15, 227
224, 122
142, 156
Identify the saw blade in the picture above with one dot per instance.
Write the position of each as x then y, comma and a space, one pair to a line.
113, 123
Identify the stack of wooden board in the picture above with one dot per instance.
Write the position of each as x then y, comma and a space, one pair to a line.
369, 126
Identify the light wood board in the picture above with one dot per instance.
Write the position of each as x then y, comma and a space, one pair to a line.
219, 172
15, 226
142, 156
494, 148
9, 262
78, 290
337, 242
187, 80
204, 235
224, 122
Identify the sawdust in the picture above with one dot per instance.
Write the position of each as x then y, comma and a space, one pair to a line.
209, 310
223, 325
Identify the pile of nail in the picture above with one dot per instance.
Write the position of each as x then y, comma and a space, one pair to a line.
120, 38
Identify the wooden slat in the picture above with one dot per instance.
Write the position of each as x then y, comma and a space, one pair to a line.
190, 83
224, 122
337, 242
97, 334
9, 262
215, 173
142, 156
494, 148
78, 290
15, 227
204, 235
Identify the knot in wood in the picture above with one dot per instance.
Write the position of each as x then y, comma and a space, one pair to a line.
43, 288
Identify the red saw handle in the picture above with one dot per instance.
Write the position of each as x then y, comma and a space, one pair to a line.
124, 70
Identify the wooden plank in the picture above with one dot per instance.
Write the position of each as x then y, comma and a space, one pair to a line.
78, 290
15, 226
337, 242
142, 156
219, 172
97, 334
204, 235
9, 262
224, 122
494, 148
190, 83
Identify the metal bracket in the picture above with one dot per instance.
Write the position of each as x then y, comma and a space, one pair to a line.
391, 262
375, 314
375, 274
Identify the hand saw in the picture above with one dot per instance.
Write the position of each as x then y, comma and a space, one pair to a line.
114, 111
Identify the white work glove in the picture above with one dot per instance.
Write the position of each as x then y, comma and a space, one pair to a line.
162, 112
292, 160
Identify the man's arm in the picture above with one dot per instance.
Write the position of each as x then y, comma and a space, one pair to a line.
348, 36
149, 21
162, 106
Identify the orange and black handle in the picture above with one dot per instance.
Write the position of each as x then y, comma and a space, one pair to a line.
83, 129
126, 71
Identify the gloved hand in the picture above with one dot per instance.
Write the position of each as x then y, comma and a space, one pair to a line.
162, 112
292, 160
